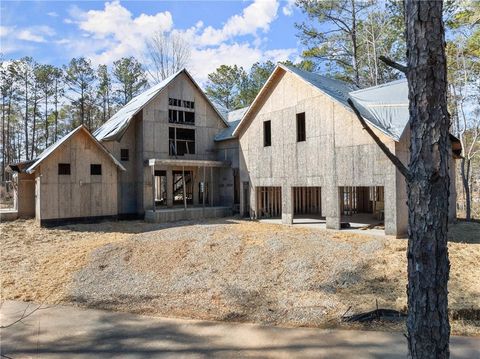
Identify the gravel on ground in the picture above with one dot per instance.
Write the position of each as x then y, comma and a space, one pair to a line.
228, 269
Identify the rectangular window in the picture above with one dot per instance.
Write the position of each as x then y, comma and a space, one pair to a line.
124, 154
301, 134
189, 117
64, 168
180, 116
267, 133
181, 141
95, 170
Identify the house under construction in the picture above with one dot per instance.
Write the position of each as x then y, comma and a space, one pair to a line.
169, 155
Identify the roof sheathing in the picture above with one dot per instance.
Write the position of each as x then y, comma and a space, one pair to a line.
116, 126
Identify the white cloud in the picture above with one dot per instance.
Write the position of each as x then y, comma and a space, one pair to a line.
113, 32
28, 35
34, 33
288, 8
256, 16
62, 41
5, 30
52, 14
206, 60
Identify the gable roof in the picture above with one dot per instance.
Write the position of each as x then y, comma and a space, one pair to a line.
233, 119
381, 106
52, 148
116, 126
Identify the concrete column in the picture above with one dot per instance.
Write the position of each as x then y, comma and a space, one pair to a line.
331, 194
169, 187
287, 205
153, 187
253, 202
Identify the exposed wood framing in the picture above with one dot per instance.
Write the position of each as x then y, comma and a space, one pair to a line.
307, 200
269, 202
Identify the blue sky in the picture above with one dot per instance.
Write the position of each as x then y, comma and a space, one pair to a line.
220, 32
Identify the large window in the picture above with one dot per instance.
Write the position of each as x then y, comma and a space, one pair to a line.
181, 111
181, 141
178, 116
267, 133
181, 103
301, 134
64, 168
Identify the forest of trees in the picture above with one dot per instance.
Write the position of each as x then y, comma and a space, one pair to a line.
343, 39
41, 102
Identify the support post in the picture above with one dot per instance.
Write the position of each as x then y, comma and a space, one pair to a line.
154, 185
184, 189
287, 204
169, 187
211, 187
333, 214
203, 189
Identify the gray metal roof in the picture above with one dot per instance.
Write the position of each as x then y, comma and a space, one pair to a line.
49, 150
336, 89
116, 126
385, 106
233, 119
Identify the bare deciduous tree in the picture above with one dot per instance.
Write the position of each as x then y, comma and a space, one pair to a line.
168, 53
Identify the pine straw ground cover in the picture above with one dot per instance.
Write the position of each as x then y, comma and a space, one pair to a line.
228, 270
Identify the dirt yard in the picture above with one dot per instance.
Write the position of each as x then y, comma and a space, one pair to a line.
228, 270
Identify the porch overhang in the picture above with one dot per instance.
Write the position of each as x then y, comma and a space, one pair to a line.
187, 163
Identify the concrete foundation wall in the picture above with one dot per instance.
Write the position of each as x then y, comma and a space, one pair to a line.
180, 214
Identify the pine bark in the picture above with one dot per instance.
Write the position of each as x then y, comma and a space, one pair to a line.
428, 187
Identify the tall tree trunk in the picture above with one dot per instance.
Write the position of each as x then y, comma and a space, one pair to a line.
82, 106
26, 116
34, 128
46, 119
4, 145
56, 110
354, 44
428, 188
9, 111
465, 172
